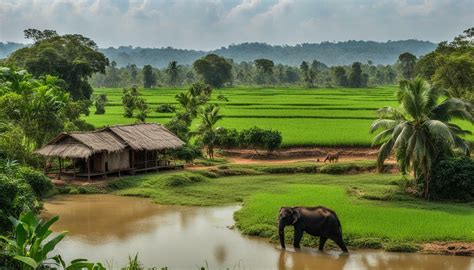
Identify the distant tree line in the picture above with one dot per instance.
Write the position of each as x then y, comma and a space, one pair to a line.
219, 72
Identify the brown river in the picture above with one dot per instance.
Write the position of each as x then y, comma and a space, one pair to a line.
109, 228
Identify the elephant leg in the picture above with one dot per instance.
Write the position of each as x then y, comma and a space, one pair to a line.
297, 237
340, 243
322, 241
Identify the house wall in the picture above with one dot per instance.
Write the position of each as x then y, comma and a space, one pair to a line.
111, 161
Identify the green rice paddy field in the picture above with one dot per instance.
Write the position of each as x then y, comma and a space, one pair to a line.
305, 117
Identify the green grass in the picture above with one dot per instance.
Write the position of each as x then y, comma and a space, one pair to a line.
389, 217
305, 117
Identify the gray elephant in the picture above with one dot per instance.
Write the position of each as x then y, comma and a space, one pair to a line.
316, 221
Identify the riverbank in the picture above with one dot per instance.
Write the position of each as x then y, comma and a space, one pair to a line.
374, 209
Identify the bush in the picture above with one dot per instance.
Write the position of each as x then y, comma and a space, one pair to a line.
165, 108
262, 230
39, 182
15, 196
452, 179
257, 138
401, 247
227, 138
187, 153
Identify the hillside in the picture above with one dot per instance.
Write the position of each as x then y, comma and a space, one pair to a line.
330, 53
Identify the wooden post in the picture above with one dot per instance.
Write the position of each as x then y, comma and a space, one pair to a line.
133, 162
88, 169
146, 160
74, 168
59, 174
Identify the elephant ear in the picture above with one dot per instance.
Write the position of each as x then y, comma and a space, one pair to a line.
295, 215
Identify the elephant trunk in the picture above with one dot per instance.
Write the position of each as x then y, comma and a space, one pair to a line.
281, 234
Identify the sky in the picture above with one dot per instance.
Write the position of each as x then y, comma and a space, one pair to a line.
211, 24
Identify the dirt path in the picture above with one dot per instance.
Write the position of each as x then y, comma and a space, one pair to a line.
292, 155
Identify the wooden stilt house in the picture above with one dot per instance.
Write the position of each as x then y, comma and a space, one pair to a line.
115, 149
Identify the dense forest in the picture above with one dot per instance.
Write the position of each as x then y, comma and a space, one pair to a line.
330, 53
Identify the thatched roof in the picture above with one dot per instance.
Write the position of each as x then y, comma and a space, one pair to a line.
147, 136
111, 139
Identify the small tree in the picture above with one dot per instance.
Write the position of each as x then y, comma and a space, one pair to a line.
142, 108
128, 102
206, 130
99, 103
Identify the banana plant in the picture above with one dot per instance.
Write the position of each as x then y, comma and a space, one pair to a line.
31, 245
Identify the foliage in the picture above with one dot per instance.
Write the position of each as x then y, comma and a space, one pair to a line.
258, 138
165, 108
31, 245
340, 76
407, 64
15, 196
206, 130
72, 58
38, 109
451, 66
356, 78
129, 101
99, 103
187, 153
453, 179
227, 138
214, 70
149, 78
38, 181
173, 72
142, 108
420, 130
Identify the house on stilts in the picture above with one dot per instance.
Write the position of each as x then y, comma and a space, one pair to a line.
113, 150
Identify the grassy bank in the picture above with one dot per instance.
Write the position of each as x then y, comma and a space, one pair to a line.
372, 207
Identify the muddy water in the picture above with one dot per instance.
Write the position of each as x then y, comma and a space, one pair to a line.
108, 228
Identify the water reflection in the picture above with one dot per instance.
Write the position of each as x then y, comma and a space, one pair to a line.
109, 228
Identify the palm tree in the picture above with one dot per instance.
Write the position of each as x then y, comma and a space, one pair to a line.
420, 130
206, 130
173, 72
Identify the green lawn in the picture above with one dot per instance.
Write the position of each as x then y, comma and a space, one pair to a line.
325, 117
371, 206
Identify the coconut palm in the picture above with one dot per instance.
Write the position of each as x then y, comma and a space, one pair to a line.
173, 72
206, 130
419, 130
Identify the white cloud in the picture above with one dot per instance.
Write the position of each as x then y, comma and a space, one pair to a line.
207, 24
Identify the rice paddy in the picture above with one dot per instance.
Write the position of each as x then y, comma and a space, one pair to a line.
305, 117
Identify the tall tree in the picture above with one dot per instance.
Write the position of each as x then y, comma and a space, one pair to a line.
356, 78
214, 70
149, 79
420, 130
340, 76
407, 65
173, 73
72, 58
265, 70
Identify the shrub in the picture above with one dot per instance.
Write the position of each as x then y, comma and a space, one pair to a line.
165, 108
187, 153
452, 179
257, 138
15, 196
372, 243
39, 182
99, 103
262, 230
227, 138
271, 140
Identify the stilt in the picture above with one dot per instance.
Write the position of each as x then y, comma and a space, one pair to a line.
74, 168
59, 174
133, 162
88, 170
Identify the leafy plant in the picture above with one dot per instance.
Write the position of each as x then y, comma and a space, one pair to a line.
31, 245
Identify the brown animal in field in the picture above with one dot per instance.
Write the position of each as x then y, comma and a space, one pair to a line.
332, 157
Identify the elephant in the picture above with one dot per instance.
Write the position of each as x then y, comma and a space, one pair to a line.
316, 221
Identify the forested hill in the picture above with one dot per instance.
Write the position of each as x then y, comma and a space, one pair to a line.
330, 53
